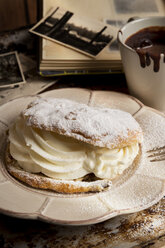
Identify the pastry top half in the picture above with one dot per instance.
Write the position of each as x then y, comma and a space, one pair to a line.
103, 127
65, 140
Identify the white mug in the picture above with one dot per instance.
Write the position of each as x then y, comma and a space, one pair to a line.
143, 83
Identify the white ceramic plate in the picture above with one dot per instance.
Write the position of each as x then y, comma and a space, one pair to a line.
141, 188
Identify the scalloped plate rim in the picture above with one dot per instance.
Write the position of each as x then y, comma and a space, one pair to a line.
104, 217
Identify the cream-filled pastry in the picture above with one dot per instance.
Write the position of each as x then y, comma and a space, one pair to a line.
58, 142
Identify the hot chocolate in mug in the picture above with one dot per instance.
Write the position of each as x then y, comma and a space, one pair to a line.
142, 48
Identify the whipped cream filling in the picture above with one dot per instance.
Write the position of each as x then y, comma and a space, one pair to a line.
61, 157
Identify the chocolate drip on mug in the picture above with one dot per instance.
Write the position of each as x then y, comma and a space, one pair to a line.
149, 43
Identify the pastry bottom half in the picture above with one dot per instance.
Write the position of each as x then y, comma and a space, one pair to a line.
86, 184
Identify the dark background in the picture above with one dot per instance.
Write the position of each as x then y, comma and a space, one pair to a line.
15, 14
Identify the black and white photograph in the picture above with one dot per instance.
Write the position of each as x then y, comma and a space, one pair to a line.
117, 24
86, 36
10, 70
134, 6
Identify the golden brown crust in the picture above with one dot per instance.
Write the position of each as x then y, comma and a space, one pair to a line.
40, 181
103, 127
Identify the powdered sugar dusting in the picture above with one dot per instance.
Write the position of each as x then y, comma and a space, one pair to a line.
153, 126
52, 184
104, 126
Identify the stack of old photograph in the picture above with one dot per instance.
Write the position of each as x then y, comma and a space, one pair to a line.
78, 37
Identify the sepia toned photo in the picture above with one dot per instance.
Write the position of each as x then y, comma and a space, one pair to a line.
62, 26
10, 70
